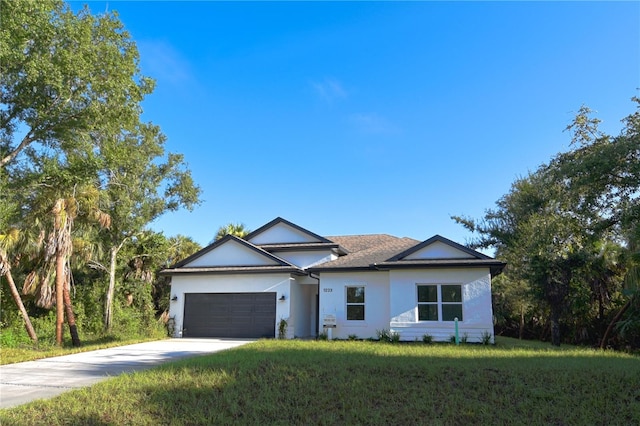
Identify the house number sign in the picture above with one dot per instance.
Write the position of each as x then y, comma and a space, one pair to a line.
327, 290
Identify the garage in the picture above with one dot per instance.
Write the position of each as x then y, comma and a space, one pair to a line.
229, 315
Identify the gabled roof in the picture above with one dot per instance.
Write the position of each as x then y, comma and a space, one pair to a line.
438, 238
385, 252
457, 256
279, 221
273, 259
357, 252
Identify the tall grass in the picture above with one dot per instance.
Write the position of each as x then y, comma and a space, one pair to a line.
318, 382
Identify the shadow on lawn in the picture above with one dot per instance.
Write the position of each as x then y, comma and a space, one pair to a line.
322, 385
289, 382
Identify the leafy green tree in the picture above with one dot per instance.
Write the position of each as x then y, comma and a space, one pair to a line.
552, 224
70, 94
139, 183
179, 247
64, 76
627, 319
603, 173
512, 303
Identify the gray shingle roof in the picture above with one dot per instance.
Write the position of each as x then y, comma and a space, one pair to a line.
357, 252
354, 243
381, 251
364, 250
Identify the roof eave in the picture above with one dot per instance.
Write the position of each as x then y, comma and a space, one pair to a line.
213, 271
341, 269
495, 267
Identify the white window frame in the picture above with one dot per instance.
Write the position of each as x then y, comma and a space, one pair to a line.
363, 303
439, 302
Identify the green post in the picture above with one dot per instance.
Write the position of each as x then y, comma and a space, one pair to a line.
457, 334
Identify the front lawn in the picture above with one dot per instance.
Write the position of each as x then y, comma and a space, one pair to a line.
316, 382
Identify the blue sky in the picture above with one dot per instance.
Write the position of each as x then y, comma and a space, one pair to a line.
373, 117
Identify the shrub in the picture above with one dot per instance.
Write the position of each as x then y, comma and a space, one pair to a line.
323, 336
383, 335
282, 328
485, 338
11, 338
353, 337
427, 338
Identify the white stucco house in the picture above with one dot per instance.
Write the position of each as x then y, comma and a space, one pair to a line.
350, 285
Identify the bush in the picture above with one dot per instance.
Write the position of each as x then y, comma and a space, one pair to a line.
283, 324
383, 335
427, 338
11, 338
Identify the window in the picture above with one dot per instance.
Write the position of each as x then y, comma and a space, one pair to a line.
355, 303
437, 301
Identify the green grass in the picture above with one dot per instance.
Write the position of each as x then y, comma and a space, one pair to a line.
354, 382
30, 352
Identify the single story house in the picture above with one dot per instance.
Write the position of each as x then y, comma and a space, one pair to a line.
353, 285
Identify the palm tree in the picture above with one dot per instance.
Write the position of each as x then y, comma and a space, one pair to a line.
237, 229
60, 246
55, 245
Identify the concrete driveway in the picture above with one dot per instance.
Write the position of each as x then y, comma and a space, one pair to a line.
45, 378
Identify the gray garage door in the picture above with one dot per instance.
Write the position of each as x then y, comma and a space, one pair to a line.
229, 315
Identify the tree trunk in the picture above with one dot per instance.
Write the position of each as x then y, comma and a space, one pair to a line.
23, 311
613, 322
555, 325
521, 331
60, 278
71, 318
108, 306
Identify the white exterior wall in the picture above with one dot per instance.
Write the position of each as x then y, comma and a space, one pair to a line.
240, 283
282, 233
439, 250
305, 259
303, 310
232, 253
333, 301
477, 310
